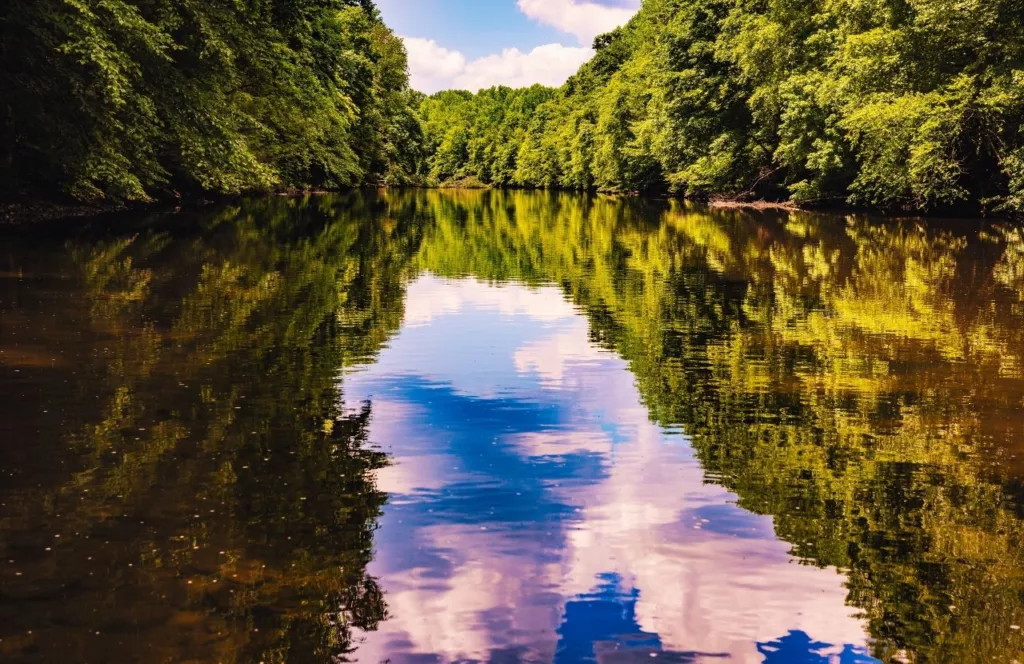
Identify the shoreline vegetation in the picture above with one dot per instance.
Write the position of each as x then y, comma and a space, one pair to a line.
33, 211
29, 213
890, 105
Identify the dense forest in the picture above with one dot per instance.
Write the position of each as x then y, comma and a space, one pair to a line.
141, 99
894, 103
881, 103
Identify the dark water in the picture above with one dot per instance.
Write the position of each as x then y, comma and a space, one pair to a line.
455, 427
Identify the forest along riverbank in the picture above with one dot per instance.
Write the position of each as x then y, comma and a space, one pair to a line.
889, 105
881, 104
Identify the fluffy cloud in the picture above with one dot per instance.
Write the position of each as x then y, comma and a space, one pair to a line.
551, 64
583, 18
433, 67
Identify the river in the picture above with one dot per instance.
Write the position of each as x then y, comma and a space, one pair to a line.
470, 426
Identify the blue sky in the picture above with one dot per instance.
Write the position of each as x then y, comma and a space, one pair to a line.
474, 44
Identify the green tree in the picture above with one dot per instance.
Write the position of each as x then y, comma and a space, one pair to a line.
132, 99
893, 103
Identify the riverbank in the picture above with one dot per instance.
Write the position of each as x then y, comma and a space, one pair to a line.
725, 204
26, 212
40, 211
33, 211
14, 214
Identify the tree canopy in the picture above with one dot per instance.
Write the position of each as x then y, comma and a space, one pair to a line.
884, 103
134, 99
893, 103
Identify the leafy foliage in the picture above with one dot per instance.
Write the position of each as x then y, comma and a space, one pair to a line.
898, 103
129, 99
478, 135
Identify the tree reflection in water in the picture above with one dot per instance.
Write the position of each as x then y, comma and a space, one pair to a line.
172, 408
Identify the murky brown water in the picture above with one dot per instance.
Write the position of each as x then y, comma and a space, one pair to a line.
511, 427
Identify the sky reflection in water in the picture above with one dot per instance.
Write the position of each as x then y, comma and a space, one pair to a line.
271, 431
536, 513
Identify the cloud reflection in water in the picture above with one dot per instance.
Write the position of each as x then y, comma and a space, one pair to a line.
537, 514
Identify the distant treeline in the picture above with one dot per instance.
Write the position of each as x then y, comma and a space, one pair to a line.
914, 104
893, 103
138, 99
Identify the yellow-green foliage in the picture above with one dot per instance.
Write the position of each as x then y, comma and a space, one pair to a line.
478, 135
859, 382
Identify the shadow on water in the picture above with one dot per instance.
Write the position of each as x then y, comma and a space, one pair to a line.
188, 473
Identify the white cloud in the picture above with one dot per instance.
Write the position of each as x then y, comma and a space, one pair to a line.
582, 18
433, 67
551, 64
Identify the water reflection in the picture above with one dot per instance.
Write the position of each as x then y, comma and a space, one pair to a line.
478, 426
537, 514
182, 483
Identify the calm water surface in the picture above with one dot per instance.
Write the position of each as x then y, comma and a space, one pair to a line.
511, 427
